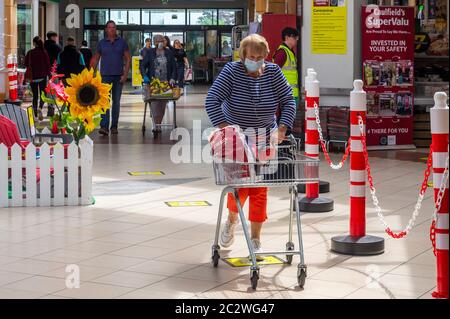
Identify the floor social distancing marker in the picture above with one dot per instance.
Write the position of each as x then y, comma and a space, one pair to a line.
430, 184
188, 203
146, 173
245, 261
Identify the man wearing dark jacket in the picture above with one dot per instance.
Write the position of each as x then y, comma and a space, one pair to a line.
51, 46
70, 60
53, 49
86, 52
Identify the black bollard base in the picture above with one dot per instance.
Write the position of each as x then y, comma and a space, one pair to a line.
358, 246
316, 205
324, 187
15, 102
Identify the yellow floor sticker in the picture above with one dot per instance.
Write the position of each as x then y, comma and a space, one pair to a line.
430, 184
423, 159
188, 203
245, 261
146, 173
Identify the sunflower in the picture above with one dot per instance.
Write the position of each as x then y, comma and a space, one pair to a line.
87, 95
89, 124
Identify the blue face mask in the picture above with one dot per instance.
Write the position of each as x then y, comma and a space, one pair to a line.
253, 66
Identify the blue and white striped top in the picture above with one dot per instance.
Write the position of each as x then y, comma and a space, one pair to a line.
239, 99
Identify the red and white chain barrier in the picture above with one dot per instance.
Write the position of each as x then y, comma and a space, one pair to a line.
322, 143
439, 232
375, 200
12, 77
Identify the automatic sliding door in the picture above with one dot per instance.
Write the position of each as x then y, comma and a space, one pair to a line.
195, 45
134, 41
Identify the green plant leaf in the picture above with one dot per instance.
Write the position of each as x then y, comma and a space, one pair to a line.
47, 100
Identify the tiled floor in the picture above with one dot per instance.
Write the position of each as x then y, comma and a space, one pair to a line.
130, 244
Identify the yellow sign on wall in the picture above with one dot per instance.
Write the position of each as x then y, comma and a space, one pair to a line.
136, 77
329, 27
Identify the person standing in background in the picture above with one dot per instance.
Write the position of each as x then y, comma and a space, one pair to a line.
70, 60
115, 65
167, 43
285, 58
226, 49
182, 62
53, 49
38, 62
144, 50
86, 52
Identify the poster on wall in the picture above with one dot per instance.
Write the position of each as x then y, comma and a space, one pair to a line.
136, 77
388, 73
329, 27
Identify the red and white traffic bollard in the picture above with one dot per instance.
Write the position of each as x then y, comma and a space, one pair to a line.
312, 203
12, 77
324, 186
439, 131
357, 243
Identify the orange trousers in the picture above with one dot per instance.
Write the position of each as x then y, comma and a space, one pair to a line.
258, 203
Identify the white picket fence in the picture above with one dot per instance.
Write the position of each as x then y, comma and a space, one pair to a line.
63, 181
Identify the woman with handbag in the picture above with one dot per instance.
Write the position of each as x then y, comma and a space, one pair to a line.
38, 67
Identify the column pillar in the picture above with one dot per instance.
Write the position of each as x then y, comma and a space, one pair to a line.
9, 41
34, 18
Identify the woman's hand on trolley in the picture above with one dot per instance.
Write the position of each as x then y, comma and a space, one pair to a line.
279, 135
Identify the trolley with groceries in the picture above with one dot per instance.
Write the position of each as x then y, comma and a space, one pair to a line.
171, 95
289, 169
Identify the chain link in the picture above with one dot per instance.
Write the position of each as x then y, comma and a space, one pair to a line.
437, 208
322, 143
375, 200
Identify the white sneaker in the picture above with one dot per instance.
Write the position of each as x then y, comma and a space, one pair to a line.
227, 235
257, 248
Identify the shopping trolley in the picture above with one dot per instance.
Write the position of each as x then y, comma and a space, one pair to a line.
148, 98
289, 170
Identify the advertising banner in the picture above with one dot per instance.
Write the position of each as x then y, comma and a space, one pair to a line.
136, 77
329, 27
388, 72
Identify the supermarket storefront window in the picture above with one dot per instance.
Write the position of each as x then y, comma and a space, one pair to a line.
24, 20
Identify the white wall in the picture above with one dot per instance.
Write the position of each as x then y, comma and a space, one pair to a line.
335, 72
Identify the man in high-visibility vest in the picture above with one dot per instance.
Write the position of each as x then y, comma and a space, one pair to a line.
285, 58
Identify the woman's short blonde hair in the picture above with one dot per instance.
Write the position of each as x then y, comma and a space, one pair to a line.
253, 43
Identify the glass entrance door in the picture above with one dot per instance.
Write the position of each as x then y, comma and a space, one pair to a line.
134, 41
195, 44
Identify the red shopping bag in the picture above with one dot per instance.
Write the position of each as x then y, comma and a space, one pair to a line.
188, 75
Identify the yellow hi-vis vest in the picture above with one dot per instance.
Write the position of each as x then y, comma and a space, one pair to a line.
289, 70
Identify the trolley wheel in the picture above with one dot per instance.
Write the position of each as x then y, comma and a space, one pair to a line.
254, 279
215, 258
289, 246
155, 133
301, 277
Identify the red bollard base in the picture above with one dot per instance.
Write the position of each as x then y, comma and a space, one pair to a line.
315, 205
358, 246
324, 187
